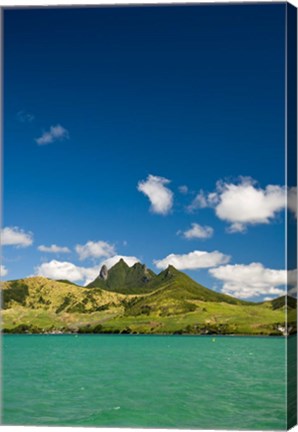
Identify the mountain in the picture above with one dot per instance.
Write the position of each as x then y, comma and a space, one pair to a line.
124, 279
174, 292
134, 299
170, 283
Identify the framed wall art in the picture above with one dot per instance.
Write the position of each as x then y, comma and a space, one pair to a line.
149, 233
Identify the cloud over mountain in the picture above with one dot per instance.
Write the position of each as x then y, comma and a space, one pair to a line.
252, 280
193, 260
91, 249
110, 262
66, 270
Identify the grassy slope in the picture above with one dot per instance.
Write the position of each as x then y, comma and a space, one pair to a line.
173, 285
179, 305
209, 317
42, 293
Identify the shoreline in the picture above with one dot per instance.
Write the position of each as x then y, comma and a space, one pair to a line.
149, 334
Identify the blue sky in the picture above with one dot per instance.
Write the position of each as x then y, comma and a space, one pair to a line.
109, 111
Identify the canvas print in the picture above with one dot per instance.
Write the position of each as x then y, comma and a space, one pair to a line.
149, 216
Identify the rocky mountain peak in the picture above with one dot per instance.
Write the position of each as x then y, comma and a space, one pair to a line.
104, 272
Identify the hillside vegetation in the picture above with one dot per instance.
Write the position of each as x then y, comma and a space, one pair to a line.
168, 303
124, 279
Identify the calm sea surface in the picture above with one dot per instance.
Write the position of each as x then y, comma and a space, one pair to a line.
144, 381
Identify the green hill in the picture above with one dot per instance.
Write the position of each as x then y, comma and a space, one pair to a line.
135, 300
173, 292
139, 280
281, 302
36, 293
124, 279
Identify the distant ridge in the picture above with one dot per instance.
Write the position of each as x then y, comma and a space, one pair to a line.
134, 299
170, 283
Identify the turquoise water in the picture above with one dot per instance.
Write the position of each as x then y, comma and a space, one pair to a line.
144, 381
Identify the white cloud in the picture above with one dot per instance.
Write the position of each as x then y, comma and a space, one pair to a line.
236, 227
193, 260
243, 203
14, 236
95, 250
293, 291
53, 249
3, 270
110, 262
197, 232
292, 283
292, 277
161, 198
67, 270
55, 133
200, 201
252, 280
292, 200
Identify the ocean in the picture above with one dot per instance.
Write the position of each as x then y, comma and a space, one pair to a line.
215, 382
